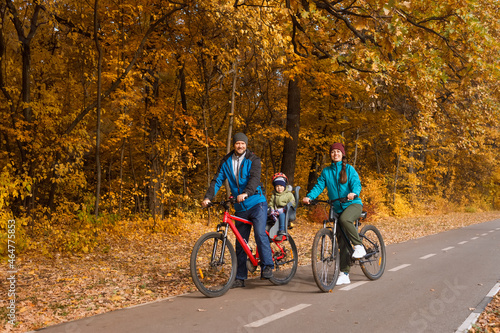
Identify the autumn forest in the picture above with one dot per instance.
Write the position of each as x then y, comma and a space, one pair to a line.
115, 110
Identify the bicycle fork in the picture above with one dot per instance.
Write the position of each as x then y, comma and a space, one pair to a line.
220, 261
334, 239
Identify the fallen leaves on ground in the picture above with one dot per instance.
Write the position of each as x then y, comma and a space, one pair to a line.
151, 267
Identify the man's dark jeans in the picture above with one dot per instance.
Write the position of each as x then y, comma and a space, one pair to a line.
258, 216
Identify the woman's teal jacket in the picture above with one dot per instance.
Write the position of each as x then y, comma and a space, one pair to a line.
329, 178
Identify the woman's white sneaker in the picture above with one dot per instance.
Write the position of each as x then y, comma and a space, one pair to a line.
343, 278
359, 252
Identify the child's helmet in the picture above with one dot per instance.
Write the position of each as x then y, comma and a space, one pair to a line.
280, 178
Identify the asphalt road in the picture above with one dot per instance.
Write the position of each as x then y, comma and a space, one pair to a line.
431, 284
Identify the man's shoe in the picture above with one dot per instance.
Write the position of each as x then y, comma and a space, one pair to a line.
343, 278
267, 273
238, 284
359, 252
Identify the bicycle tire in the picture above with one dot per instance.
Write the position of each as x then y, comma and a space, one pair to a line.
286, 260
373, 264
212, 278
325, 260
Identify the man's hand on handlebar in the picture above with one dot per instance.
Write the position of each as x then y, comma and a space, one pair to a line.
241, 197
206, 202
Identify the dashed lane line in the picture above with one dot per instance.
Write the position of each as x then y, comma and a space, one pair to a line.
448, 248
353, 285
428, 256
397, 268
463, 242
278, 315
474, 238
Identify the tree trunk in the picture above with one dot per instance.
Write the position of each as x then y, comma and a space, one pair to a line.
25, 37
231, 121
398, 157
154, 183
292, 127
355, 157
122, 158
98, 127
314, 171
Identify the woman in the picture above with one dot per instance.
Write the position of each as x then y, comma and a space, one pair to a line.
342, 180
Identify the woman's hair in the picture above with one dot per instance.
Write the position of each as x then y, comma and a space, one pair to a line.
343, 173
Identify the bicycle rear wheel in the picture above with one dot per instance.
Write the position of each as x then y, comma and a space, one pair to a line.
285, 259
325, 260
373, 264
213, 268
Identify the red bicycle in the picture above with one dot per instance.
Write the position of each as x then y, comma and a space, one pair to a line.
213, 259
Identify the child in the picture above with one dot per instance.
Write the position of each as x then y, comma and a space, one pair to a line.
278, 201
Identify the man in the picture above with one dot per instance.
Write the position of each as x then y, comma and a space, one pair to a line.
242, 169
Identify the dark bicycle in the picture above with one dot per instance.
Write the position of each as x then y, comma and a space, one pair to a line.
325, 255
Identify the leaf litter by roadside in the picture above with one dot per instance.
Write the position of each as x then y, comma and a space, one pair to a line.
137, 270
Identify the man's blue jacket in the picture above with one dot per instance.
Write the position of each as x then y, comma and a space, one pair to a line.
248, 182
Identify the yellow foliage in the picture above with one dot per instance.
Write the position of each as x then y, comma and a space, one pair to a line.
401, 207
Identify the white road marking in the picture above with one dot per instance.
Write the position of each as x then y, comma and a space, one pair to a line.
278, 315
399, 267
448, 248
462, 243
491, 231
484, 234
494, 290
354, 285
473, 238
471, 319
428, 256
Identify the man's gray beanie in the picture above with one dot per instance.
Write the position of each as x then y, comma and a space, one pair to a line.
240, 137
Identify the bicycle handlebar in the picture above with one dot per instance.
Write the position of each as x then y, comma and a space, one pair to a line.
224, 203
330, 202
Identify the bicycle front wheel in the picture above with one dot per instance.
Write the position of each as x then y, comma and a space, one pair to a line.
285, 259
325, 260
373, 264
213, 267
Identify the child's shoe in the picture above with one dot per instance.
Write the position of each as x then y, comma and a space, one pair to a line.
280, 235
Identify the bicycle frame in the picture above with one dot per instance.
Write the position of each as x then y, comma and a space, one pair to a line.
334, 219
342, 234
229, 219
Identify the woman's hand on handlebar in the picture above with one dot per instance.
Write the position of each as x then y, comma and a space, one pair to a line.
352, 196
306, 200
